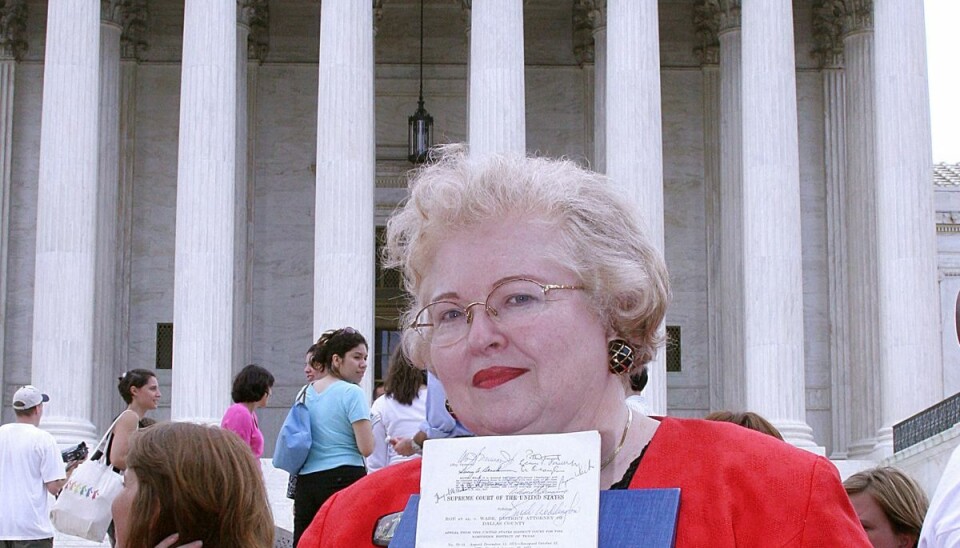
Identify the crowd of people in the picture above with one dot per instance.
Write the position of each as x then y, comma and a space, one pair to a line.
532, 284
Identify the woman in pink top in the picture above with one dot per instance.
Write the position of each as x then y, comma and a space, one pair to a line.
251, 389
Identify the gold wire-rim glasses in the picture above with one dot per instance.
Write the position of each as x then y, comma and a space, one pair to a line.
426, 328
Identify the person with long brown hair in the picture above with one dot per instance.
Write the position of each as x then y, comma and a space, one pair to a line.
339, 425
201, 483
397, 414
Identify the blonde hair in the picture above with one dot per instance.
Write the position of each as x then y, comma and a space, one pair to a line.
903, 501
599, 234
201, 482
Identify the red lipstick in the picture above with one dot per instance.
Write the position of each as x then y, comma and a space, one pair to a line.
493, 377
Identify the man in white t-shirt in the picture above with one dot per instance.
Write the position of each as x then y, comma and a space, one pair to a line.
31, 469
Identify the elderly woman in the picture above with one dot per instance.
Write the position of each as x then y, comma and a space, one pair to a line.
533, 284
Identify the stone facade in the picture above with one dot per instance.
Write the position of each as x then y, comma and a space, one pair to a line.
274, 307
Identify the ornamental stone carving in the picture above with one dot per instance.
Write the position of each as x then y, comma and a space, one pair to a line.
111, 11
828, 33
710, 19
706, 23
133, 21
255, 15
377, 15
589, 16
833, 20
13, 27
857, 16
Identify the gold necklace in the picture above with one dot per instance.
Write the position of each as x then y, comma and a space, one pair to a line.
623, 438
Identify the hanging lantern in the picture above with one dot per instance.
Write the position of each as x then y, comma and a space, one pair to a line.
420, 125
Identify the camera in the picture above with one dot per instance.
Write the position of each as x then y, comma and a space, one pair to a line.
75, 454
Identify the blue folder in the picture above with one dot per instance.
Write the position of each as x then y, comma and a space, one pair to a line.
638, 518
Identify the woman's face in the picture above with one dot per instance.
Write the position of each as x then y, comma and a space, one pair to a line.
875, 523
352, 365
528, 379
122, 506
308, 369
265, 398
148, 395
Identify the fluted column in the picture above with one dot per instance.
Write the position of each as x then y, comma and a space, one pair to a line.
827, 29
634, 157
860, 223
772, 273
731, 299
108, 165
910, 357
594, 16
246, 11
13, 17
706, 22
252, 47
497, 109
343, 238
206, 189
64, 288
131, 49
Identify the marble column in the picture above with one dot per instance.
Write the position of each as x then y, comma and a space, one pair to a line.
497, 108
252, 46
706, 23
344, 231
910, 357
772, 273
105, 320
634, 148
206, 189
860, 224
830, 55
240, 355
64, 281
132, 47
586, 16
596, 13
13, 16
731, 299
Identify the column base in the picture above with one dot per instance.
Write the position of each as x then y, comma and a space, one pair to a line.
867, 449
799, 434
883, 448
68, 431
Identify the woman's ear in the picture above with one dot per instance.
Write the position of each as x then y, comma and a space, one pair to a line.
906, 540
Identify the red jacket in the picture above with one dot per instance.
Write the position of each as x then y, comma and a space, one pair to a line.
737, 488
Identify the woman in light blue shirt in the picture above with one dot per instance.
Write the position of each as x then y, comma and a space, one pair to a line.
339, 424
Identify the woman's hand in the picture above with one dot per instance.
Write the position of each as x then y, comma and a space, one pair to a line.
169, 541
403, 446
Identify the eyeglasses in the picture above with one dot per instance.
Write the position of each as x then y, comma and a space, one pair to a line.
512, 303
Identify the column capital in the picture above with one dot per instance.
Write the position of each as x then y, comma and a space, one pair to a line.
857, 15
828, 33
13, 29
111, 11
706, 23
255, 15
377, 15
133, 21
728, 12
589, 17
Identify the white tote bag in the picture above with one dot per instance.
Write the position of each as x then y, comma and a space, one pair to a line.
83, 507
